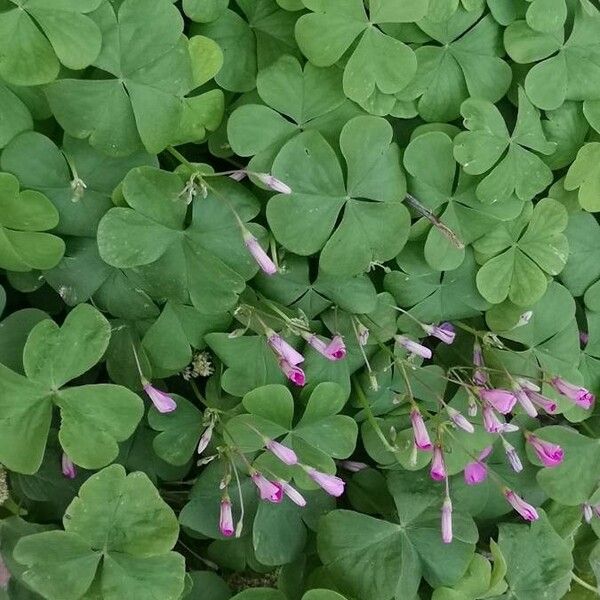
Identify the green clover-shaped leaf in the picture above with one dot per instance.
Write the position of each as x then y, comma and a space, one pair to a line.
546, 15
517, 257
379, 65
296, 100
24, 216
430, 162
15, 115
151, 67
584, 175
36, 36
567, 70
152, 236
94, 417
465, 63
374, 225
118, 530
511, 161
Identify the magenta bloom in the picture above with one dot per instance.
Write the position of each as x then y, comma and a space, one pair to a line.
551, 455
525, 402
476, 471
353, 466
413, 347
447, 521
422, 441
577, 394
284, 350
226, 519
263, 260
459, 420
205, 439
332, 484
444, 332
283, 453
293, 373
438, 468
546, 403
161, 400
480, 376
491, 422
68, 468
293, 494
336, 350
502, 400
513, 457
273, 492
273, 183
525, 509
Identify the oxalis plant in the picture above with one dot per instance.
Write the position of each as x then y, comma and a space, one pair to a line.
300, 299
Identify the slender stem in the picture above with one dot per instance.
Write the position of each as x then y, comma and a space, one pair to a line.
208, 563
180, 157
584, 584
197, 393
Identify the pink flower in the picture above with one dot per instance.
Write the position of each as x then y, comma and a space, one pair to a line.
438, 468
226, 519
512, 456
273, 492
444, 332
551, 455
68, 468
422, 441
491, 422
577, 394
353, 466
413, 347
447, 521
502, 400
273, 183
294, 374
293, 494
336, 350
480, 376
459, 420
284, 350
263, 260
525, 402
546, 403
161, 400
525, 509
283, 453
333, 485
476, 471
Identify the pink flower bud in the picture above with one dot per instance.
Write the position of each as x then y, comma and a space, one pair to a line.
438, 468
333, 485
413, 347
491, 422
459, 420
162, 401
284, 350
525, 509
502, 400
551, 455
273, 183
294, 374
577, 394
68, 468
420, 433
444, 332
283, 453
513, 457
525, 402
546, 403
205, 439
588, 513
584, 338
273, 492
263, 260
226, 519
353, 466
447, 521
362, 334
480, 376
293, 494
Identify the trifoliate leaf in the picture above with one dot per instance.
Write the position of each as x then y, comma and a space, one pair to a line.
584, 175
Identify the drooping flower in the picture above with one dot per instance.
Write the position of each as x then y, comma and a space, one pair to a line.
512, 456
332, 484
263, 260
444, 332
293, 494
161, 400
546, 403
68, 468
524, 400
226, 518
283, 453
293, 373
413, 347
581, 396
284, 350
353, 466
334, 349
273, 492
480, 376
438, 467
525, 509
460, 420
447, 520
551, 455
273, 183
476, 471
491, 422
420, 433
502, 400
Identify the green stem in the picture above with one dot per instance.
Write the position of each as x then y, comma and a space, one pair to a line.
584, 584
180, 157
